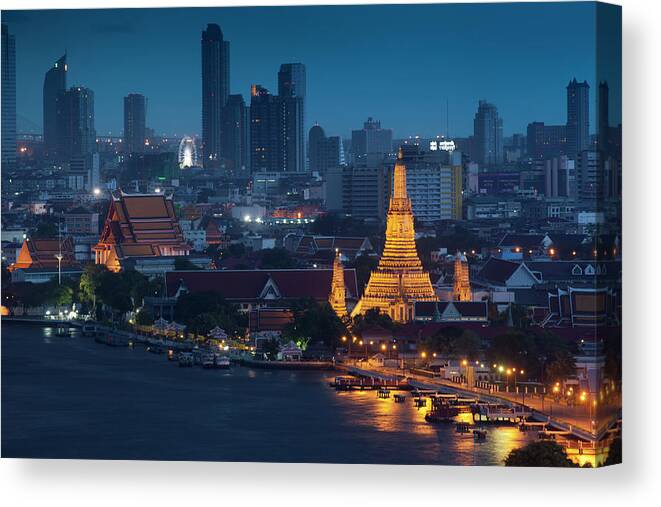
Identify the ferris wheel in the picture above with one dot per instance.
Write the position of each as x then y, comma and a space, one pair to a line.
187, 152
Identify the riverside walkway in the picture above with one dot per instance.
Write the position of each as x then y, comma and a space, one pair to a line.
576, 420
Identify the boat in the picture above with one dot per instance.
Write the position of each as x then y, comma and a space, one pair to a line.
479, 435
221, 362
185, 359
208, 361
89, 329
441, 411
462, 427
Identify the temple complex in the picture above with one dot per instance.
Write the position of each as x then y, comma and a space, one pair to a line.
399, 280
139, 225
462, 286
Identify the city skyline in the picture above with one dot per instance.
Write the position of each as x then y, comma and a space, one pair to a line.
332, 100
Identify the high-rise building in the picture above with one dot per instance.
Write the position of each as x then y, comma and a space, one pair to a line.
324, 152
77, 119
135, 114
487, 135
434, 183
602, 120
371, 139
546, 141
292, 92
55, 84
578, 117
8, 98
265, 154
399, 280
215, 92
235, 138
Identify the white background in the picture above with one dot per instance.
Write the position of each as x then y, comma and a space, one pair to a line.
64, 482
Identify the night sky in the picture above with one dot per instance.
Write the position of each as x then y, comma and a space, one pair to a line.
396, 63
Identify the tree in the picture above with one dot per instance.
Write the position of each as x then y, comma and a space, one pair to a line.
183, 264
277, 258
90, 281
314, 322
46, 229
454, 342
202, 311
560, 366
614, 453
364, 265
144, 318
515, 349
544, 453
372, 318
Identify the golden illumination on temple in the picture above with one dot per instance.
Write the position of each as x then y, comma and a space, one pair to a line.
338, 293
399, 279
462, 285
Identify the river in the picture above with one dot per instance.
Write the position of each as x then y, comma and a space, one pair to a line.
73, 398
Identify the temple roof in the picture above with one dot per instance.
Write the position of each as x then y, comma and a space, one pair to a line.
41, 253
259, 283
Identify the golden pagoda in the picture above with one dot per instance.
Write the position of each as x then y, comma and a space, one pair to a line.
338, 293
462, 285
399, 279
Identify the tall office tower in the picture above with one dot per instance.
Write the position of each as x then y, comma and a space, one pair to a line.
8, 98
602, 120
325, 152
77, 115
235, 134
578, 117
292, 91
135, 114
215, 91
371, 139
265, 149
488, 135
55, 84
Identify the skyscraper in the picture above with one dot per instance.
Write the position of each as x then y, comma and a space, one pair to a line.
215, 91
265, 152
8, 98
372, 139
135, 114
578, 117
77, 117
602, 120
55, 84
291, 93
487, 135
235, 134
325, 152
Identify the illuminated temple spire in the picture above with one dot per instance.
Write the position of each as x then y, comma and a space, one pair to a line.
337, 297
462, 286
399, 279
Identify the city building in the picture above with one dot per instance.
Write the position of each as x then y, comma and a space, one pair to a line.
292, 91
76, 124
324, 152
265, 149
215, 92
135, 119
139, 226
235, 135
55, 84
434, 183
399, 280
578, 117
8, 98
371, 139
487, 135
546, 141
